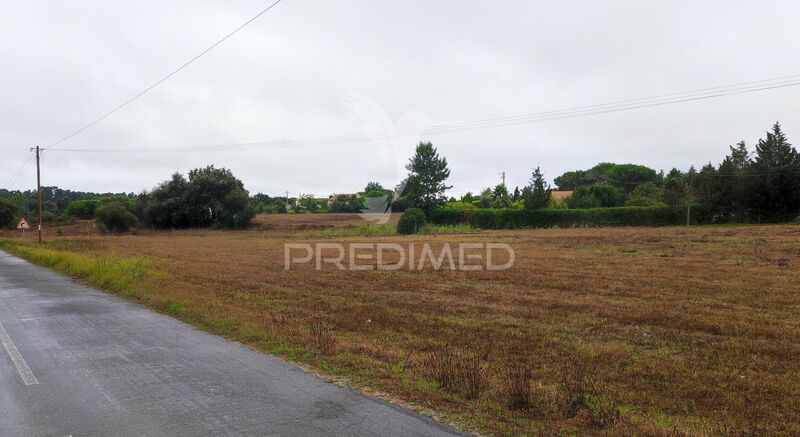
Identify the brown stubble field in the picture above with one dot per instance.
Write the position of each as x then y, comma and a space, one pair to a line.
648, 331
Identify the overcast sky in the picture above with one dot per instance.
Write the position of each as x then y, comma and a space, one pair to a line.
312, 68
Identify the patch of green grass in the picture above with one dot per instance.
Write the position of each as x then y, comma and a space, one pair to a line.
462, 228
365, 230
112, 272
175, 308
360, 231
370, 230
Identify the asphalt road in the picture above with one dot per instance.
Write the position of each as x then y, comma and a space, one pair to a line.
81, 362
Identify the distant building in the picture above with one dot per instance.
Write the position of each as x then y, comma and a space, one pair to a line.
558, 195
341, 198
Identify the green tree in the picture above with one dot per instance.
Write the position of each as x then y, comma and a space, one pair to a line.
8, 213
704, 186
776, 170
649, 194
599, 195
675, 174
676, 192
426, 180
375, 189
500, 197
734, 184
629, 176
83, 209
217, 198
309, 202
210, 197
114, 217
486, 198
537, 194
626, 176
165, 206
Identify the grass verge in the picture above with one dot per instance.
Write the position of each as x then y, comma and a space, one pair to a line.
111, 272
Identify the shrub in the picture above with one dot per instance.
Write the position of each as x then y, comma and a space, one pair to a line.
603, 413
8, 213
321, 334
47, 216
457, 372
114, 217
648, 194
577, 382
400, 204
599, 195
411, 222
517, 385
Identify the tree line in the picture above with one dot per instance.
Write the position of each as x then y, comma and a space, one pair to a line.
758, 185
749, 185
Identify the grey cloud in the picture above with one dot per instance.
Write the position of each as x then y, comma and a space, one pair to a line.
289, 73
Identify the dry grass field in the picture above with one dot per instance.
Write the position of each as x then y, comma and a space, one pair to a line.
609, 331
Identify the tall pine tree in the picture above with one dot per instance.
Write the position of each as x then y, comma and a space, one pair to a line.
428, 172
735, 185
537, 194
776, 174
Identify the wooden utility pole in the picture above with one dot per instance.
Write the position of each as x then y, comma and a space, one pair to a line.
689, 214
39, 190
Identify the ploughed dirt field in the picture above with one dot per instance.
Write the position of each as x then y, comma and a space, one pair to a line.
647, 331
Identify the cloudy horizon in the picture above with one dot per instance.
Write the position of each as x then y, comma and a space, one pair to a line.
309, 70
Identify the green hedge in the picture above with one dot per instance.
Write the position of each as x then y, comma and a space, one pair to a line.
567, 218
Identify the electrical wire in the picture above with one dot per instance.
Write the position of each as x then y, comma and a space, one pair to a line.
163, 79
29, 172
16, 175
20, 152
580, 111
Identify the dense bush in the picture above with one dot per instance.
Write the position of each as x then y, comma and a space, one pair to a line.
649, 194
351, 205
114, 217
83, 209
400, 204
599, 195
411, 222
8, 213
551, 217
210, 197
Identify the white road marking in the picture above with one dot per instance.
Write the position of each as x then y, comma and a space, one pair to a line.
22, 367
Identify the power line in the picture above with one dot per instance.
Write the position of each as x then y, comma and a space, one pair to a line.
16, 175
4, 157
580, 111
172, 73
